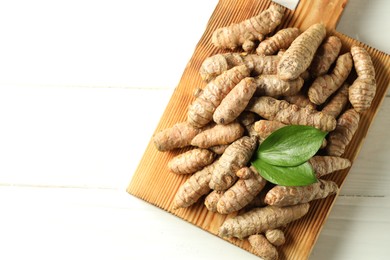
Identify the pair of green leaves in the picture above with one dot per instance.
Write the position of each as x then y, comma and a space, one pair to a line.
283, 157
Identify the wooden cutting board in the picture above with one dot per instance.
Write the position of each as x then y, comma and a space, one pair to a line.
153, 182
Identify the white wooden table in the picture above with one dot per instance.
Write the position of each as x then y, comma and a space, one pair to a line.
82, 87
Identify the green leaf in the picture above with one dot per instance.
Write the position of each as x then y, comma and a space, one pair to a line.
291, 145
300, 175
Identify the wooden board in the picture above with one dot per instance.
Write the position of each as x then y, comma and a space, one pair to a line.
153, 182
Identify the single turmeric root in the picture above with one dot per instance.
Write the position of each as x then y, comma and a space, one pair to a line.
338, 102
282, 196
282, 111
236, 156
177, 136
275, 237
201, 111
218, 135
323, 165
281, 40
261, 219
299, 55
267, 107
362, 91
235, 102
262, 65
245, 33
195, 187
326, 54
347, 125
241, 193
324, 86
212, 199
273, 86
217, 64
263, 247
191, 161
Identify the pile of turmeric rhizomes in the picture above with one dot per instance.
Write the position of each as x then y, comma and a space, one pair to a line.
289, 78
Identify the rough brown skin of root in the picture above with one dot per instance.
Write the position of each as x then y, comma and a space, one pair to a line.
250, 130
263, 247
212, 199
245, 33
361, 94
218, 135
299, 55
236, 156
363, 89
295, 115
282, 196
280, 53
193, 188
244, 173
201, 111
266, 107
347, 125
324, 86
262, 65
281, 40
235, 102
241, 193
177, 136
266, 127
218, 149
338, 102
305, 75
258, 201
191, 161
273, 86
300, 100
261, 219
217, 64
282, 111
324, 165
214, 66
326, 54
275, 237
247, 118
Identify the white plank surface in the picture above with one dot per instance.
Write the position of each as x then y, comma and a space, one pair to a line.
82, 87
75, 136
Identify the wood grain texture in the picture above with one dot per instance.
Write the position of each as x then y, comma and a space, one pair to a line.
152, 180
